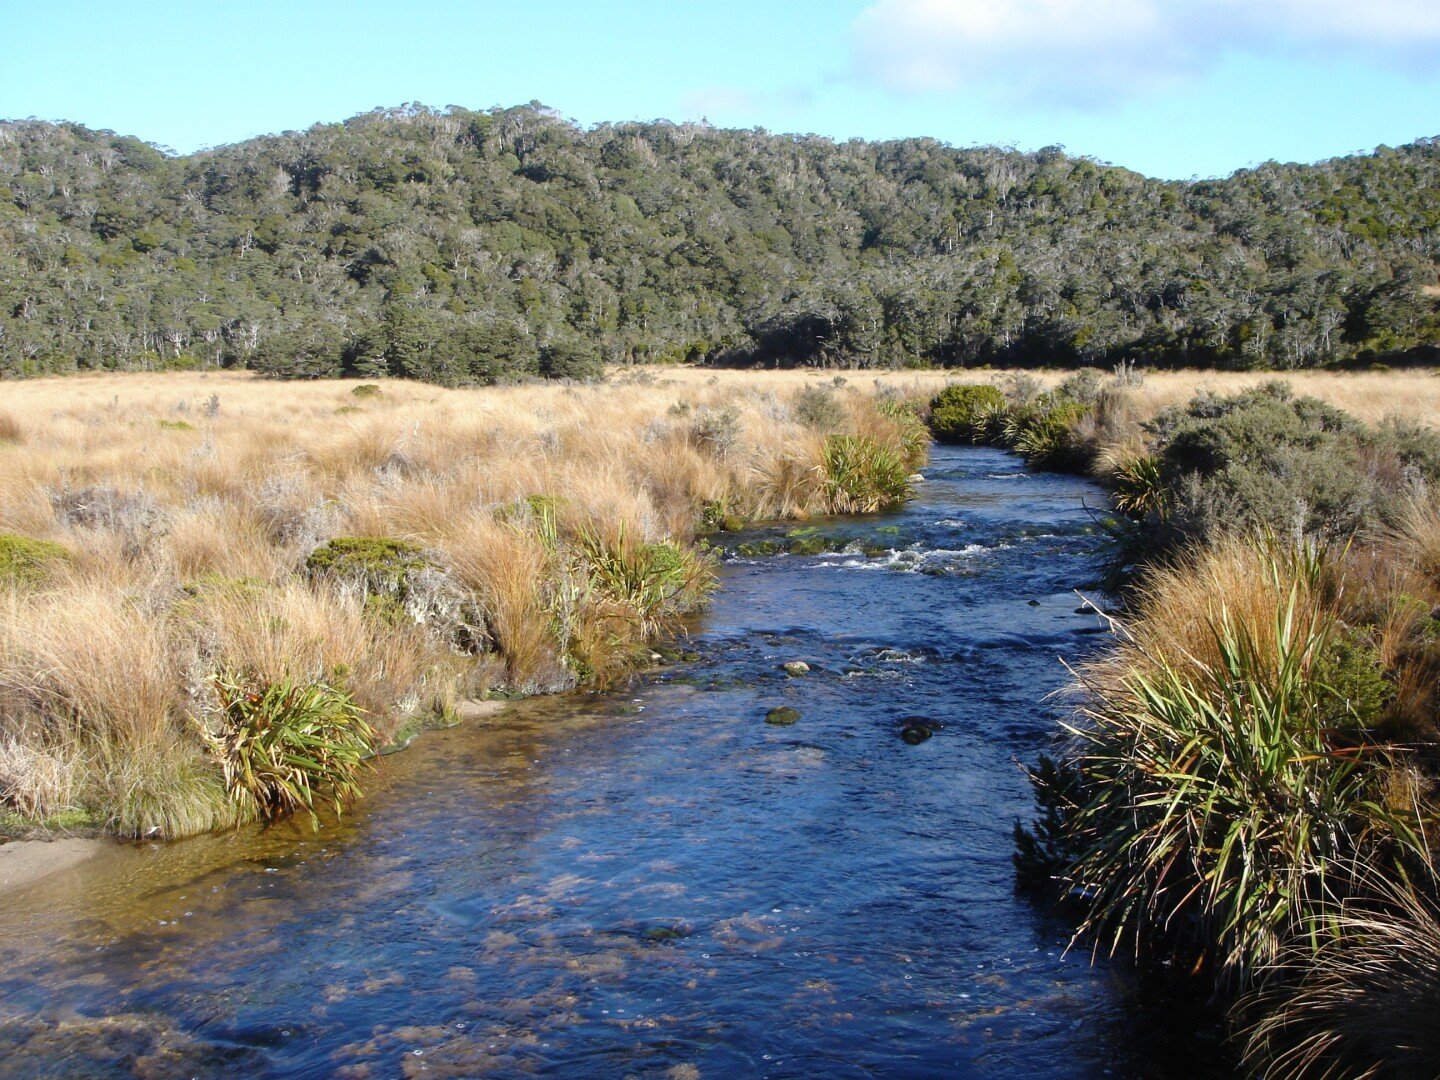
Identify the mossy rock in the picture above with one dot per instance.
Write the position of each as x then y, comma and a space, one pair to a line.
782, 716
27, 561
809, 545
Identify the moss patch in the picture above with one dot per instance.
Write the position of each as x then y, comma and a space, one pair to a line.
27, 561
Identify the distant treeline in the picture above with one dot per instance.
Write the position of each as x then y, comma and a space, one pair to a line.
460, 246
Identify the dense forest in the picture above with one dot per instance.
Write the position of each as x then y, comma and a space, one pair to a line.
462, 247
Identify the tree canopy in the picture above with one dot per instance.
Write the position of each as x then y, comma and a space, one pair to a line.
461, 246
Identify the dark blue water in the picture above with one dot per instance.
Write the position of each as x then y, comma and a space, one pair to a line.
656, 882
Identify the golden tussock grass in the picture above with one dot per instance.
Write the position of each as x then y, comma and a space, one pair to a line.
554, 520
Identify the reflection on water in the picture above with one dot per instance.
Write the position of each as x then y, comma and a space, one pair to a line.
654, 883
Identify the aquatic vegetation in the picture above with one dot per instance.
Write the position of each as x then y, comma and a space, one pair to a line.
281, 745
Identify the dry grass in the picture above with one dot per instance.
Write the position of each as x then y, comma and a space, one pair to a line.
1412, 394
190, 502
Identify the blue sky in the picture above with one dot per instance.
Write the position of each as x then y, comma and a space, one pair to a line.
1172, 88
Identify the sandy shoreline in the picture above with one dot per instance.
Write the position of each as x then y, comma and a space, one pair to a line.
23, 862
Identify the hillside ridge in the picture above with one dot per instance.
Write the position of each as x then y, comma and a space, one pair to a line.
464, 246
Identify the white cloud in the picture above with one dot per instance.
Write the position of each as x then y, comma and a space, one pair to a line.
1093, 53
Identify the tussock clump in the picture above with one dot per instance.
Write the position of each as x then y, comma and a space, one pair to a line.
1363, 1004
281, 745
10, 429
1224, 784
862, 475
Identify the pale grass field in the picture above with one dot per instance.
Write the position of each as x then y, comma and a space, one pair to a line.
1413, 394
189, 503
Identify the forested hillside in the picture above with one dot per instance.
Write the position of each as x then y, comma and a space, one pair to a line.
463, 246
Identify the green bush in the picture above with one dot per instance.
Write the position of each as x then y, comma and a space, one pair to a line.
1267, 459
282, 744
27, 561
963, 413
366, 390
1045, 435
862, 476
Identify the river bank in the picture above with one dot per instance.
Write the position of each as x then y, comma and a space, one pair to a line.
204, 579
655, 879
1252, 777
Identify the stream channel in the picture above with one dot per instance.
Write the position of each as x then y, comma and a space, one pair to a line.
655, 882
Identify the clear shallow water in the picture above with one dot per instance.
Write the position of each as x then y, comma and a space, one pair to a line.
656, 883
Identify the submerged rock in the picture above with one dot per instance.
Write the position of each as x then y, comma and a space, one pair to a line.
916, 729
782, 716
796, 667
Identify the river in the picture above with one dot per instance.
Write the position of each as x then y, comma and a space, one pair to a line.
656, 882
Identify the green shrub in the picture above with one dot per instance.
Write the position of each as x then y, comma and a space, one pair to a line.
963, 413
27, 561
367, 390
862, 476
175, 425
283, 744
1267, 459
914, 433
1045, 435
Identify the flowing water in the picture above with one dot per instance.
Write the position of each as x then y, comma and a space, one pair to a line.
657, 882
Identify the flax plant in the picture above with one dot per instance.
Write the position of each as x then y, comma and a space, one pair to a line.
1222, 800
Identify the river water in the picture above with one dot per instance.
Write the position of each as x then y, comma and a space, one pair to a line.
656, 882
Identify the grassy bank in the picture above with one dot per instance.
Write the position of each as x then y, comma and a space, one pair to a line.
219, 595
1249, 790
